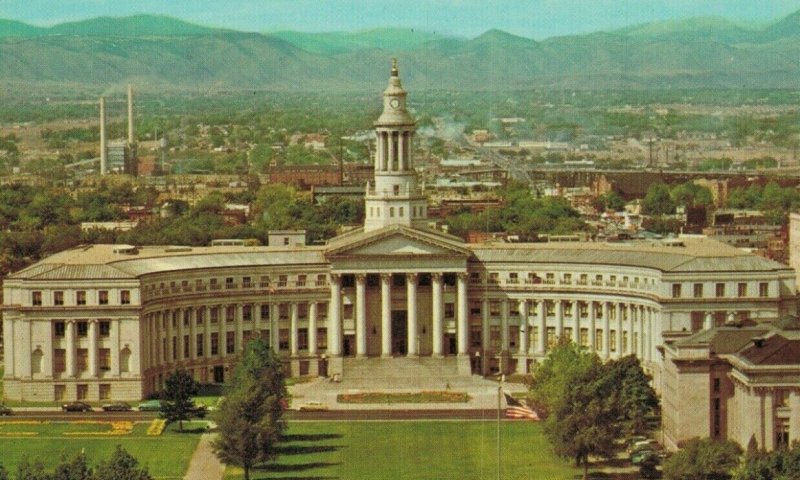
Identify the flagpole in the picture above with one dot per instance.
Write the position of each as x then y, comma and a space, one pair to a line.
499, 397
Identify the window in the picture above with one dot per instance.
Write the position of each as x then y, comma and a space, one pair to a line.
230, 342
105, 328
322, 338
449, 310
80, 297
396, 189
214, 284
246, 282
229, 283
400, 212
102, 297
199, 345
612, 340
584, 337
104, 359
676, 290
59, 360
215, 343
286, 240
347, 311
105, 391
247, 313
513, 277
719, 290
230, 313
59, 392
264, 312
741, 289
36, 299
698, 290
125, 297
283, 280
283, 339
391, 212
83, 329
494, 278
301, 280
567, 333
494, 337
58, 298
185, 346
83, 391
58, 329
302, 338
200, 315
763, 289
82, 358
174, 348
551, 337
214, 314
598, 339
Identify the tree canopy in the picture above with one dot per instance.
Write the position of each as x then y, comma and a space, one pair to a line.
250, 417
703, 459
781, 464
177, 404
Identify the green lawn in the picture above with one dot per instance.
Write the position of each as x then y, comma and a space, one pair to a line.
424, 450
166, 456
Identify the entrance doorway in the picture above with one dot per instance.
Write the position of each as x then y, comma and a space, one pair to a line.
399, 332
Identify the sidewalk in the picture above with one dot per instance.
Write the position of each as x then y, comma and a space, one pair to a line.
204, 465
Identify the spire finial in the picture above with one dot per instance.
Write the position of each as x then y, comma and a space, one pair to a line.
395, 73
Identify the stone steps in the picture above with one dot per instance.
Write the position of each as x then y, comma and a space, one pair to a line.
407, 373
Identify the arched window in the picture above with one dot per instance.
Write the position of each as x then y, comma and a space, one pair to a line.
37, 360
125, 360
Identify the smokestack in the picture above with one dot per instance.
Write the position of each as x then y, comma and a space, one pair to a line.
130, 114
103, 148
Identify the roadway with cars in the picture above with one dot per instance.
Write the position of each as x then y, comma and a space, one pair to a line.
329, 415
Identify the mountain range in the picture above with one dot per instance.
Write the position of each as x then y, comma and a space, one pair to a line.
163, 53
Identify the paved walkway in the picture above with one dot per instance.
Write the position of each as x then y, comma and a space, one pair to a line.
204, 465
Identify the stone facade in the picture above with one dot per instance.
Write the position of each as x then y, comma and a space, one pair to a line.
108, 321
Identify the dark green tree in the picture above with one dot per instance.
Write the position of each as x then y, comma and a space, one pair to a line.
250, 417
658, 200
781, 464
32, 471
3, 473
75, 469
121, 466
177, 404
635, 399
703, 459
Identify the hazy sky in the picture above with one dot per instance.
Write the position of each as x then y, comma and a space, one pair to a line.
532, 18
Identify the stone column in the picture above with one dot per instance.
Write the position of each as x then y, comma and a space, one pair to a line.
769, 420
206, 334
559, 318
386, 315
523, 326
93, 348
794, 416
154, 339
620, 309
504, 325
70, 353
592, 326
485, 328
438, 317
192, 333
631, 329
170, 333
576, 322
274, 327
401, 151
335, 317
223, 328
115, 327
607, 330
462, 313
541, 344
312, 328
708, 322
293, 321
361, 315
411, 295
642, 342
8, 335
239, 339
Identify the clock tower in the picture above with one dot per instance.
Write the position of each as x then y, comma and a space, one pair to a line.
394, 199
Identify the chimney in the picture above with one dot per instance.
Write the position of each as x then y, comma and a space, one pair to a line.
130, 114
103, 148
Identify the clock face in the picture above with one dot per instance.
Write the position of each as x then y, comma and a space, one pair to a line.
394, 103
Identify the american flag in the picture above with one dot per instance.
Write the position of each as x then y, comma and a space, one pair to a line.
517, 409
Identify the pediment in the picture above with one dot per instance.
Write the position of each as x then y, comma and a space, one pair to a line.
397, 241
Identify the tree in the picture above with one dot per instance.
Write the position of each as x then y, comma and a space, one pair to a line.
250, 417
75, 469
782, 464
658, 201
177, 404
703, 459
587, 405
3, 473
32, 471
121, 466
690, 195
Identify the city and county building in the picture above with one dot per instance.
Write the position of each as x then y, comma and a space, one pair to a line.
740, 381
112, 321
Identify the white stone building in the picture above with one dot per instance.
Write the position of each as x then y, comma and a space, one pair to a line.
104, 321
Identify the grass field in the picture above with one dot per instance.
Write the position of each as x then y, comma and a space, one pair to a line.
166, 456
424, 450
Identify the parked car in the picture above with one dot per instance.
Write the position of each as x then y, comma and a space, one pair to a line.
116, 407
4, 411
313, 407
642, 455
150, 406
76, 407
